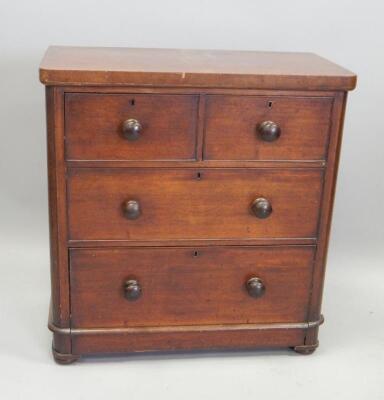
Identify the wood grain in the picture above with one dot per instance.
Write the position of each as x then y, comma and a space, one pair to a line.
185, 68
195, 170
93, 126
158, 164
57, 217
261, 241
187, 341
232, 121
184, 286
181, 204
326, 214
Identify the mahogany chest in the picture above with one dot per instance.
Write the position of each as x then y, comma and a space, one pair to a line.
190, 197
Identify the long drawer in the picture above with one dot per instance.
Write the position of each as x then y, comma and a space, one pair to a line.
163, 204
183, 286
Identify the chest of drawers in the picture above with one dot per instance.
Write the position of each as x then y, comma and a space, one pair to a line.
190, 197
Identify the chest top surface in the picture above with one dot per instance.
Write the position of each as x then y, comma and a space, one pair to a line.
64, 65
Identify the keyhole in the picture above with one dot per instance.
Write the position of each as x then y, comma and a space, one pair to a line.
195, 254
269, 104
132, 102
198, 176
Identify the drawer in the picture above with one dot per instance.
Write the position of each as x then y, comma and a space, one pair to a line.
130, 126
183, 286
163, 204
267, 127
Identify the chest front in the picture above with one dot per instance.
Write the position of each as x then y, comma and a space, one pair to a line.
189, 210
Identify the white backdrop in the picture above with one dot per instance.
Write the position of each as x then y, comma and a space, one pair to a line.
349, 362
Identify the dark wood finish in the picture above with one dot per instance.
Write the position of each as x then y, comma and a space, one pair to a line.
64, 359
158, 164
269, 131
191, 196
131, 129
192, 68
186, 340
326, 214
90, 341
178, 203
95, 130
131, 209
261, 207
182, 286
306, 349
132, 289
261, 241
59, 307
149, 89
256, 288
233, 127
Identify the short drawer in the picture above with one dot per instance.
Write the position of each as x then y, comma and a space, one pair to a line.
185, 286
267, 127
130, 126
163, 204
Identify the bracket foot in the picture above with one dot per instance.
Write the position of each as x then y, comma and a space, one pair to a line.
306, 349
63, 359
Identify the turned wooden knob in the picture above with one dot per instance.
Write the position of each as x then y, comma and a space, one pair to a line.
255, 287
131, 209
131, 129
261, 207
132, 289
269, 131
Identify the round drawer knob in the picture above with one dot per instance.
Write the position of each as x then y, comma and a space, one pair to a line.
269, 131
132, 289
262, 208
131, 129
131, 209
255, 287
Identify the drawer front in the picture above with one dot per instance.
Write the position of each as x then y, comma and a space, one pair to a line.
182, 286
145, 204
267, 128
130, 126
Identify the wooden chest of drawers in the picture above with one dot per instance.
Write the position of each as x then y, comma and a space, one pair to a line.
190, 197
